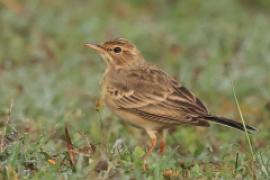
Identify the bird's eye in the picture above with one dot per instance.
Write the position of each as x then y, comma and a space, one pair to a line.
117, 50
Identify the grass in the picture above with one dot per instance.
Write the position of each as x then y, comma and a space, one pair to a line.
244, 124
49, 82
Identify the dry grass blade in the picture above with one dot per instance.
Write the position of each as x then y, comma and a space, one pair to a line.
70, 149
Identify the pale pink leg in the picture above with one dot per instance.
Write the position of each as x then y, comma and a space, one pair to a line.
153, 138
162, 144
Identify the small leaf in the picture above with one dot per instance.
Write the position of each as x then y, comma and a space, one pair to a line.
138, 153
51, 161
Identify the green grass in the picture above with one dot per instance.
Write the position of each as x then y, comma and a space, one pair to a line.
49, 81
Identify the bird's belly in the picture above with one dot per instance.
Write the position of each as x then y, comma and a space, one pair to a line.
138, 121
135, 120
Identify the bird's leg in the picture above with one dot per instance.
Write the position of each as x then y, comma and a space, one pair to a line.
162, 144
153, 138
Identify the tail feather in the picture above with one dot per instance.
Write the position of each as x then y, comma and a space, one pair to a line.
229, 122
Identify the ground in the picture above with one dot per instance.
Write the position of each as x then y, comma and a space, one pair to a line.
52, 126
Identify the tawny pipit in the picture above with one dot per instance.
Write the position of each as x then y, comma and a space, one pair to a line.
145, 96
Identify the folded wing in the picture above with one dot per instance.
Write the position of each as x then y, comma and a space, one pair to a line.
151, 94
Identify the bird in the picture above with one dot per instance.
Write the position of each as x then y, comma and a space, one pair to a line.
145, 96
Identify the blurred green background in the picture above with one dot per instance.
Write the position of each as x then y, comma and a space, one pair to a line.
49, 80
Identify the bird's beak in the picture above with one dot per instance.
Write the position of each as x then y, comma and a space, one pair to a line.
96, 47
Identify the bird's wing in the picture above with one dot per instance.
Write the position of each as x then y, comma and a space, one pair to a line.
151, 94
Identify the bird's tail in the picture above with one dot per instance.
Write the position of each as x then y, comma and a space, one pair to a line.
229, 122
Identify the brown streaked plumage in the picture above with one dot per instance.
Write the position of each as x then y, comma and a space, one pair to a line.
145, 96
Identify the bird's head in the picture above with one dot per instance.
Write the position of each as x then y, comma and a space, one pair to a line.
118, 52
